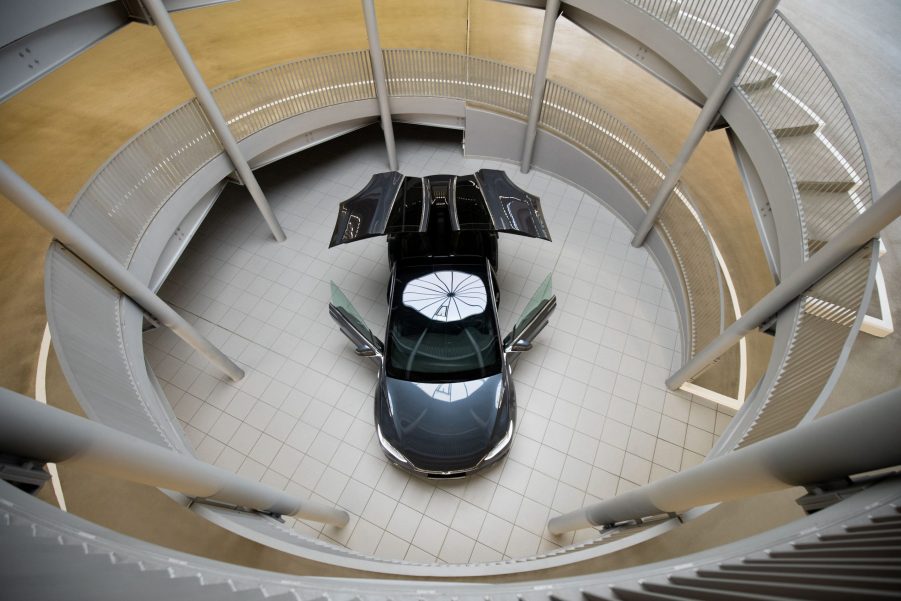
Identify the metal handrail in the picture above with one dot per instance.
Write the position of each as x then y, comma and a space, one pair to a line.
616, 146
831, 164
830, 173
708, 26
52, 539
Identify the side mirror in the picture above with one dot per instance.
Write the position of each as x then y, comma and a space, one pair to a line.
524, 343
364, 342
521, 346
365, 350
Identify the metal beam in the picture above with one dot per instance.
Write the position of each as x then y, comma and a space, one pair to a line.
32, 430
864, 227
739, 56
551, 12
857, 439
180, 52
381, 80
88, 250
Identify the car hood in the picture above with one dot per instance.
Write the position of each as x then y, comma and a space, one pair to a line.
445, 426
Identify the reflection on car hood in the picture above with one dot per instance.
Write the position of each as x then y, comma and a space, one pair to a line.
445, 426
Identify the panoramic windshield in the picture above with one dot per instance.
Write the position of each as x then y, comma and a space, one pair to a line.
442, 325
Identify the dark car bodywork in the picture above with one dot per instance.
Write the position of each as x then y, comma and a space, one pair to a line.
445, 405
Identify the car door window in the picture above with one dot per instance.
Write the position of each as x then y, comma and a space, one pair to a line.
542, 301
350, 313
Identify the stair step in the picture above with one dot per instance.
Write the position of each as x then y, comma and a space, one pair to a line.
764, 83
702, 34
42, 568
826, 212
30, 562
783, 116
816, 169
719, 48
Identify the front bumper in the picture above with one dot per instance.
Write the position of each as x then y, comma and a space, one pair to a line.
495, 455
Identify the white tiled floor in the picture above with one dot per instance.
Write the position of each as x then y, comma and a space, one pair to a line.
594, 416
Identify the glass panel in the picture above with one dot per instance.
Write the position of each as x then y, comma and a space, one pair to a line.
471, 210
340, 302
407, 212
544, 293
442, 328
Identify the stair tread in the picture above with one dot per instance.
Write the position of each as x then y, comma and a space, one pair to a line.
814, 165
825, 211
783, 116
706, 37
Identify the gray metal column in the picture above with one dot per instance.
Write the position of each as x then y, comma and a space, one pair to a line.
381, 80
740, 54
851, 441
846, 242
551, 12
32, 430
64, 229
166, 27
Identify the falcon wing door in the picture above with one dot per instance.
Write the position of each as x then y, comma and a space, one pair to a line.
352, 325
512, 209
369, 212
533, 319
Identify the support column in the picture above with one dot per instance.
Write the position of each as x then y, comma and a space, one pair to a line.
32, 430
551, 12
852, 237
166, 27
740, 54
381, 80
64, 229
851, 441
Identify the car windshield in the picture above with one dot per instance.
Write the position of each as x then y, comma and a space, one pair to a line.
442, 326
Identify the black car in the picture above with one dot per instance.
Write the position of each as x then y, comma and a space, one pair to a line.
445, 405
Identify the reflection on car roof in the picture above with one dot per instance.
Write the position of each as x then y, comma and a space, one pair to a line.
446, 295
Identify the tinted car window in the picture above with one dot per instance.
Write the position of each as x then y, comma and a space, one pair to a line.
451, 336
472, 212
407, 211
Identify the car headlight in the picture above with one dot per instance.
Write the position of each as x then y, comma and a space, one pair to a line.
387, 446
504, 442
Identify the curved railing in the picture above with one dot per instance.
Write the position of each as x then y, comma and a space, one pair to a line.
810, 123
117, 204
710, 27
830, 313
452, 75
115, 208
616, 146
844, 551
793, 93
258, 100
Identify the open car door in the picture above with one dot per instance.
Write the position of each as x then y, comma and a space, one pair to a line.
484, 201
366, 214
352, 325
533, 319
512, 209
